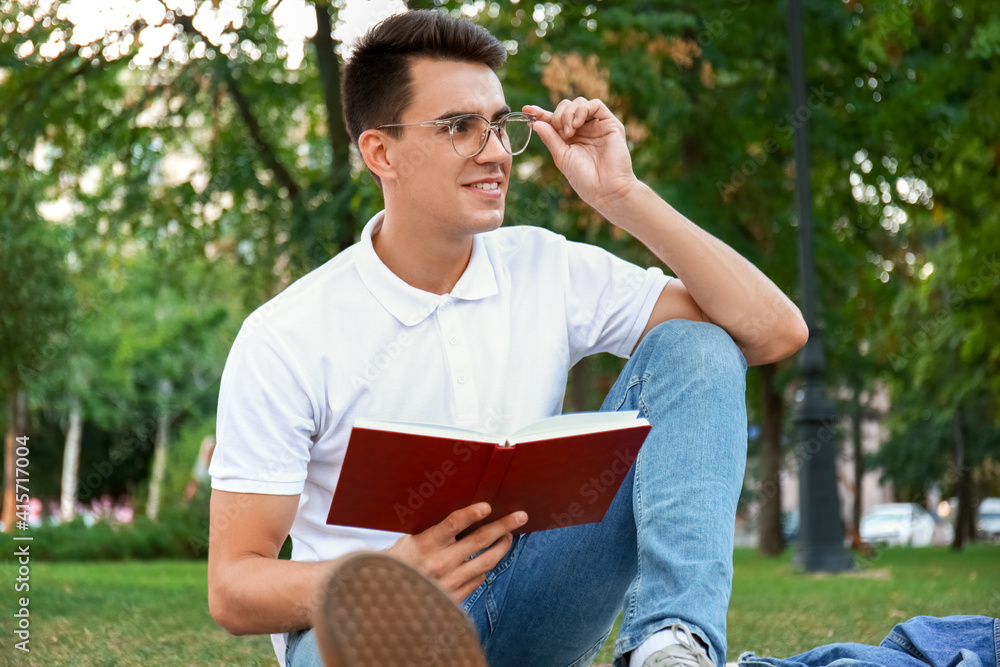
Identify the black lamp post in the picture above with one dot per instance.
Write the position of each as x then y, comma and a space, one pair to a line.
821, 530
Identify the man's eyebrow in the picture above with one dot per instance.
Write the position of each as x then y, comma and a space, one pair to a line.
451, 114
502, 111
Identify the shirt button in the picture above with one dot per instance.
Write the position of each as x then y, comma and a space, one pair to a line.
461, 379
453, 340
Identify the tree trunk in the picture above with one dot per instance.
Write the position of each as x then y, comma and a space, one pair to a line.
71, 462
9, 458
964, 524
164, 390
340, 141
857, 415
771, 538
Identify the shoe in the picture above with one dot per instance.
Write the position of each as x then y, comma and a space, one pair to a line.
690, 654
377, 610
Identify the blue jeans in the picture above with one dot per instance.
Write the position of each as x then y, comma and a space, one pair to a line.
663, 552
953, 641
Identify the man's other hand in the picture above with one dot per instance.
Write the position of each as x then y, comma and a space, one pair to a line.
439, 553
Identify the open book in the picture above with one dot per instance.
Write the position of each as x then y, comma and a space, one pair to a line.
562, 471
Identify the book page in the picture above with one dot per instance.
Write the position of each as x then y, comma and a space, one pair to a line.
431, 430
576, 423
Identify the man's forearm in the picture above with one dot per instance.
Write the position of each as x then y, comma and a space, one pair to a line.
259, 595
727, 288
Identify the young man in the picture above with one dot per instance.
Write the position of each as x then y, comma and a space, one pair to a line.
440, 315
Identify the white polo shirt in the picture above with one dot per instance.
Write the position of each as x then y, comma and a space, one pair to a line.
351, 339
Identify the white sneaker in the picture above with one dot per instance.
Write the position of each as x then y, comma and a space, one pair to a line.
681, 654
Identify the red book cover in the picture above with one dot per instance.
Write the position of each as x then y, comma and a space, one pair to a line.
562, 471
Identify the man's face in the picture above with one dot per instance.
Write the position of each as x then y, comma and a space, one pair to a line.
449, 194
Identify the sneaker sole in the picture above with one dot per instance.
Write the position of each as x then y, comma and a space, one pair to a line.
379, 611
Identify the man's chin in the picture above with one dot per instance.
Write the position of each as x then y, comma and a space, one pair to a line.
474, 219
488, 221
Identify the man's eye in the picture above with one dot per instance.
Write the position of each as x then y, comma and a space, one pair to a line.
463, 124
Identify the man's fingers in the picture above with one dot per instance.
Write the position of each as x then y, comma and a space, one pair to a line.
472, 572
581, 113
459, 594
486, 535
548, 130
550, 138
457, 521
538, 112
563, 117
570, 112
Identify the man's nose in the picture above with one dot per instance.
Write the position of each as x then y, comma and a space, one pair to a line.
494, 150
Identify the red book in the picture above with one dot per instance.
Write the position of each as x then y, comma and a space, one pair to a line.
562, 471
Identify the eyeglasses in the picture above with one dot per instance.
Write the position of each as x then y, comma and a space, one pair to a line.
470, 132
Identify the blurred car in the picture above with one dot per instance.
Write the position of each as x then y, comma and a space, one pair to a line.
988, 525
898, 524
944, 533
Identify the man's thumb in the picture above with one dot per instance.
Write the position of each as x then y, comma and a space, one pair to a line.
550, 138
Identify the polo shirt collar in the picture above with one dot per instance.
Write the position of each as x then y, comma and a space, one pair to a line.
409, 304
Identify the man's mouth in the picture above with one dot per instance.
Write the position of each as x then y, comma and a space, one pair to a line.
485, 186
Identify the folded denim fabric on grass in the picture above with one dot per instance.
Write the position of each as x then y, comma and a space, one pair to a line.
922, 641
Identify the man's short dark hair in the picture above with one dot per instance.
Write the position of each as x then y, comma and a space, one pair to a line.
376, 85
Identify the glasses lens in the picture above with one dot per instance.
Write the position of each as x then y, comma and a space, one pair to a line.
468, 135
516, 133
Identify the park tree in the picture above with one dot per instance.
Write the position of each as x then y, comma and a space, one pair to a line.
921, 184
35, 305
129, 147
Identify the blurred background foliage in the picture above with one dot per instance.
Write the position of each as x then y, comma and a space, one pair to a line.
165, 175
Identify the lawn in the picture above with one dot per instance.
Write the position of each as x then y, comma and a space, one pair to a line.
154, 613
775, 611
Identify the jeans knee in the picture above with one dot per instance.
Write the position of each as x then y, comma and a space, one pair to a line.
685, 344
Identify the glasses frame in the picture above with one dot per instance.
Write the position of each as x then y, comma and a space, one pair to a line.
493, 126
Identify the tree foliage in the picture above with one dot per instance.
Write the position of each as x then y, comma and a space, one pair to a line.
165, 176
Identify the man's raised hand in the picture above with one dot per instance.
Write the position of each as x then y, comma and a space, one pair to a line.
588, 145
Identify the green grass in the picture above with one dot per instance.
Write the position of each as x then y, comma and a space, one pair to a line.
133, 613
155, 613
778, 612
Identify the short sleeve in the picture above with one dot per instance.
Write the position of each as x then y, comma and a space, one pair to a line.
608, 301
266, 419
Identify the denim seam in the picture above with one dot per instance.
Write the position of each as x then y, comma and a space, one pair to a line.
506, 563
492, 575
630, 612
633, 382
490, 578
748, 661
637, 491
590, 652
643, 406
289, 643
906, 646
473, 597
996, 643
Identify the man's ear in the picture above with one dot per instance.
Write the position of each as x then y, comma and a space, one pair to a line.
374, 149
